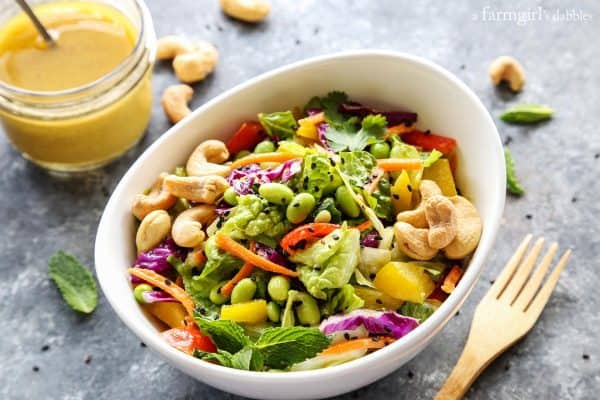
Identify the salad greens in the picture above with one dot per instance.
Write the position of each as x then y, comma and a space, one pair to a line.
75, 282
303, 253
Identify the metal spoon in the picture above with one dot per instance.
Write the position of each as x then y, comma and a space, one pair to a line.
38, 25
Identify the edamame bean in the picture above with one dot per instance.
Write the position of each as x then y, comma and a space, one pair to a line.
242, 154
266, 146
276, 193
215, 294
300, 207
278, 287
243, 291
323, 216
273, 311
346, 202
380, 150
397, 151
230, 196
139, 290
308, 310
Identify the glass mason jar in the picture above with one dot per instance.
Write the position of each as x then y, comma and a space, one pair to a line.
86, 126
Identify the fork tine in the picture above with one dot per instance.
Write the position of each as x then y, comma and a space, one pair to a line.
509, 268
534, 283
540, 300
522, 273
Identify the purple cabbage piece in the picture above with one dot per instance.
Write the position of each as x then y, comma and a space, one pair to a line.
376, 322
222, 209
156, 296
156, 259
321, 129
393, 117
242, 179
371, 239
270, 254
313, 111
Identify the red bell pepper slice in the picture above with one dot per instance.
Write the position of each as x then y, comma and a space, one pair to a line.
248, 136
304, 235
188, 339
429, 141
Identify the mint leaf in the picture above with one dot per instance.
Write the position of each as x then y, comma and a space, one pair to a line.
248, 359
280, 124
372, 129
512, 184
75, 282
282, 347
221, 356
227, 335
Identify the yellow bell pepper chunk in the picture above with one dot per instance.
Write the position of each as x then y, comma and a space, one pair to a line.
170, 313
441, 174
308, 126
404, 281
251, 312
376, 300
402, 192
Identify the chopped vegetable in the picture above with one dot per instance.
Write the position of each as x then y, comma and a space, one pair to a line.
188, 339
527, 114
280, 125
429, 141
402, 192
376, 300
172, 314
418, 311
244, 272
393, 117
356, 344
231, 246
376, 322
305, 235
75, 282
372, 129
451, 280
512, 184
398, 164
262, 158
404, 281
246, 137
251, 312
441, 173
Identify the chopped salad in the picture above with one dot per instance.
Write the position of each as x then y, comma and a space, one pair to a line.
307, 240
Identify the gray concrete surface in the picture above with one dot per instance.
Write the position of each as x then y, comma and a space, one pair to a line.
50, 352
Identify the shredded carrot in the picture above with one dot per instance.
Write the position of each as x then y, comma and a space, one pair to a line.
245, 271
375, 180
263, 157
451, 280
226, 243
165, 284
398, 130
357, 344
397, 164
313, 119
364, 226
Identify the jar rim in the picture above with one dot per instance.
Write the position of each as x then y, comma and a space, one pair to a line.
48, 94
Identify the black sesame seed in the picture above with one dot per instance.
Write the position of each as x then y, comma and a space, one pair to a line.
375, 338
507, 367
378, 301
45, 347
409, 188
410, 375
428, 132
305, 179
396, 196
574, 199
372, 276
343, 161
35, 368
313, 165
388, 330
492, 282
283, 200
88, 359
457, 314
298, 42
597, 156
528, 216
316, 188
296, 205
142, 344
311, 229
336, 237
508, 140
266, 210
346, 336
462, 66
331, 178
168, 282
585, 356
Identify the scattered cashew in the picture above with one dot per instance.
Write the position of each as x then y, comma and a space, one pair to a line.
154, 228
468, 229
413, 241
417, 217
246, 10
206, 159
506, 68
196, 65
169, 47
158, 199
441, 218
174, 102
187, 228
201, 189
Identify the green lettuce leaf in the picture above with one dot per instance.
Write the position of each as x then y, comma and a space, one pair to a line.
417, 311
328, 204
318, 176
279, 124
429, 158
227, 335
282, 347
330, 262
254, 217
372, 129
358, 165
343, 301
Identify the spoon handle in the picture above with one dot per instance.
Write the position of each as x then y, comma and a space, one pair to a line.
38, 25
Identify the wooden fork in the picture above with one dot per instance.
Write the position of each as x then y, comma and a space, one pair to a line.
507, 312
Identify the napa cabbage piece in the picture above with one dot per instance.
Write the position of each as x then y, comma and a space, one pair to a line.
318, 175
329, 263
342, 301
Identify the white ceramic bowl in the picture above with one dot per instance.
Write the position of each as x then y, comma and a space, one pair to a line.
380, 78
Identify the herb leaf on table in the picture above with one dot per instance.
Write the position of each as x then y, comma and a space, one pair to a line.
75, 282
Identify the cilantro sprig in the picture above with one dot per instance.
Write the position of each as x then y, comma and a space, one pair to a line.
372, 129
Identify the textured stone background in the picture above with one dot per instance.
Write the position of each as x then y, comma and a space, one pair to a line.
96, 357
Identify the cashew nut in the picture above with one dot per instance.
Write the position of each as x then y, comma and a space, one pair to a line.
174, 102
154, 228
413, 241
441, 218
206, 159
246, 10
202, 189
158, 199
468, 229
196, 65
417, 217
506, 68
171, 46
187, 228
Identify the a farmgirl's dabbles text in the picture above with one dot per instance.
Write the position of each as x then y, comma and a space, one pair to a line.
306, 242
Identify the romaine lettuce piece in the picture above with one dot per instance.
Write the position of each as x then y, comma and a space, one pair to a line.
318, 176
343, 301
280, 125
254, 217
